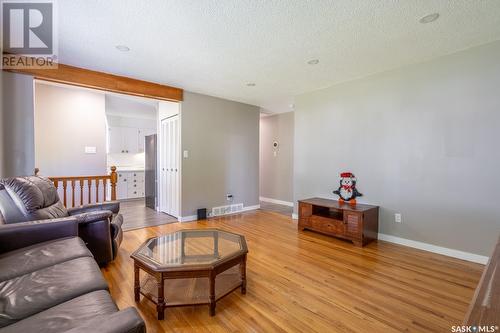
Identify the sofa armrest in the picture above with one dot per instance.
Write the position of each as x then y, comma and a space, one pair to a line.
113, 206
18, 235
124, 321
94, 216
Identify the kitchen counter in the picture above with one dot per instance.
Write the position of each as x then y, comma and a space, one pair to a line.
129, 168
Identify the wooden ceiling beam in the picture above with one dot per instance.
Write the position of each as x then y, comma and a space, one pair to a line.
103, 81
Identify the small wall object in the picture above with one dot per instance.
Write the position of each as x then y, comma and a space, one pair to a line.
347, 190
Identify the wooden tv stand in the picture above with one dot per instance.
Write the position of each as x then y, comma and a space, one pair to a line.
357, 223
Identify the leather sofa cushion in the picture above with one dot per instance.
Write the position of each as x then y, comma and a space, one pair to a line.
54, 211
68, 315
40, 290
34, 192
42, 255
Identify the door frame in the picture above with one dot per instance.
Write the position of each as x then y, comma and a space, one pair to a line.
162, 181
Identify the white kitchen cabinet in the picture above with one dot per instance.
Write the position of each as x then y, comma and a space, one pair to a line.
122, 186
127, 140
115, 139
131, 140
130, 185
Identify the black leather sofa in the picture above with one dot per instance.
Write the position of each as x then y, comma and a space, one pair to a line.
30, 198
49, 282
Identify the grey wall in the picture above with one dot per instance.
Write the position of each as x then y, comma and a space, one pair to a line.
276, 165
422, 140
68, 119
222, 138
17, 131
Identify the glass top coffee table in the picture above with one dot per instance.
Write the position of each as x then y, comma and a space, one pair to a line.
190, 267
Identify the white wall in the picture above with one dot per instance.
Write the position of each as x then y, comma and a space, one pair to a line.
17, 131
67, 119
422, 140
166, 110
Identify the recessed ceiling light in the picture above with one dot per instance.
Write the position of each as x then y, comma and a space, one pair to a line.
313, 62
123, 48
251, 84
429, 18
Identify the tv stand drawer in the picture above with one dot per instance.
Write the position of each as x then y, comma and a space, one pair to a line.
327, 225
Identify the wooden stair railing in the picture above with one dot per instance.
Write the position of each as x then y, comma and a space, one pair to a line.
75, 183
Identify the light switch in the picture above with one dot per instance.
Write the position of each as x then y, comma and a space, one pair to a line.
90, 150
185, 154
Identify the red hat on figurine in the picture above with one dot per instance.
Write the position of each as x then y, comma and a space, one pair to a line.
346, 175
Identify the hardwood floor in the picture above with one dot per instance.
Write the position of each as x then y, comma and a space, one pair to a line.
271, 207
307, 282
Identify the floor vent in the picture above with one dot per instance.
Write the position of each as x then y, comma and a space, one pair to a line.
226, 210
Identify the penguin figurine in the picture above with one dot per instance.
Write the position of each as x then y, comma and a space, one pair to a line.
347, 190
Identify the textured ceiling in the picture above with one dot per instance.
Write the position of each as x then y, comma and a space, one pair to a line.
216, 47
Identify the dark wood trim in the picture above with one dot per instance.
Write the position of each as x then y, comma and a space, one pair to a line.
103, 81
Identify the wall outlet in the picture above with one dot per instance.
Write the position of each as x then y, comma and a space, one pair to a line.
229, 197
397, 218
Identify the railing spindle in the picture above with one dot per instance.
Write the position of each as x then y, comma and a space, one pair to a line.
104, 184
65, 185
81, 191
73, 182
97, 190
89, 183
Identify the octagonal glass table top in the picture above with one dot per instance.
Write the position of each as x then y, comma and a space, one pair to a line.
190, 248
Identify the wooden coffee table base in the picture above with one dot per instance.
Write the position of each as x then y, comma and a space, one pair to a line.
189, 287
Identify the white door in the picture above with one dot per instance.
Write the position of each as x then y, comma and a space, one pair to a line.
170, 166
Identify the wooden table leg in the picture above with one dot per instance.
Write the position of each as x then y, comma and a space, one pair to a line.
137, 285
211, 279
160, 307
243, 272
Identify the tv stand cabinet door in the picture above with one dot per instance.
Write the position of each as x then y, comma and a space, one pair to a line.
305, 213
353, 225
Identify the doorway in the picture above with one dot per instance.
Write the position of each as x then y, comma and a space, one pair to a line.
276, 162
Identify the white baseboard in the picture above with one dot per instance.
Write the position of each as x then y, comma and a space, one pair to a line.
195, 217
249, 208
435, 249
295, 216
188, 218
276, 201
